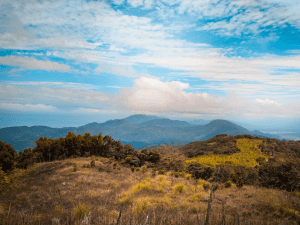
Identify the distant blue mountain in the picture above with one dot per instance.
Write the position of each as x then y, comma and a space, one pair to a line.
137, 130
140, 118
166, 122
199, 122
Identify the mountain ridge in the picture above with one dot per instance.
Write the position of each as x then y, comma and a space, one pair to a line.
143, 131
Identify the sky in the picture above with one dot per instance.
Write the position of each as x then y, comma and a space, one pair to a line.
71, 62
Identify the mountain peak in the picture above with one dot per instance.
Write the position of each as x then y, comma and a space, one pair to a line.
140, 118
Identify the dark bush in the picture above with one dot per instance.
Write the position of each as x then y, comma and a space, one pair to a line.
281, 174
154, 156
228, 184
206, 187
7, 156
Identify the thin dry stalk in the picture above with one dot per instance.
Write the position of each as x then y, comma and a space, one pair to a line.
209, 205
119, 218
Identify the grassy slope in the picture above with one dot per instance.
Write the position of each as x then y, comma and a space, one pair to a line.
247, 157
53, 192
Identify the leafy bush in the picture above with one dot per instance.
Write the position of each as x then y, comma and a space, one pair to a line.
154, 156
7, 156
284, 175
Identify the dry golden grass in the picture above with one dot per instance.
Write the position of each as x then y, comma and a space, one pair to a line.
53, 193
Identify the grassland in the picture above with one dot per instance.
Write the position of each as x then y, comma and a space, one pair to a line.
246, 157
57, 193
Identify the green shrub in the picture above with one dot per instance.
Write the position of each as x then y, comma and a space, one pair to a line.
132, 168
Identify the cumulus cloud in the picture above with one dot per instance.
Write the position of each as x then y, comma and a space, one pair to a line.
151, 95
148, 95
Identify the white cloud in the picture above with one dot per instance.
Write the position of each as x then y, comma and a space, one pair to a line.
66, 28
135, 3
28, 107
247, 16
148, 95
151, 95
62, 96
265, 102
68, 85
26, 42
148, 4
118, 2
33, 64
95, 111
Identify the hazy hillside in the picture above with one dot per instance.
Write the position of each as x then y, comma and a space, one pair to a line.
199, 122
166, 122
137, 130
140, 118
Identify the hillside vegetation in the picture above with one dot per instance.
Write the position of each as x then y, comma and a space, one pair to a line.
97, 180
248, 155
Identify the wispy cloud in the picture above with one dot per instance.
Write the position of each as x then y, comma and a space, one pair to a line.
28, 107
33, 64
62, 96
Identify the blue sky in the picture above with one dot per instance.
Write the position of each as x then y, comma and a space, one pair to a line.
67, 63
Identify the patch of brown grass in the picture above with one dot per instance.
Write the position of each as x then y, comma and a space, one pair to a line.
53, 193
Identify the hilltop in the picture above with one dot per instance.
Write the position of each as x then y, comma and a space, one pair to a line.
257, 181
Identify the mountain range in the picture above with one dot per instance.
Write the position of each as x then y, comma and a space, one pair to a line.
137, 130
